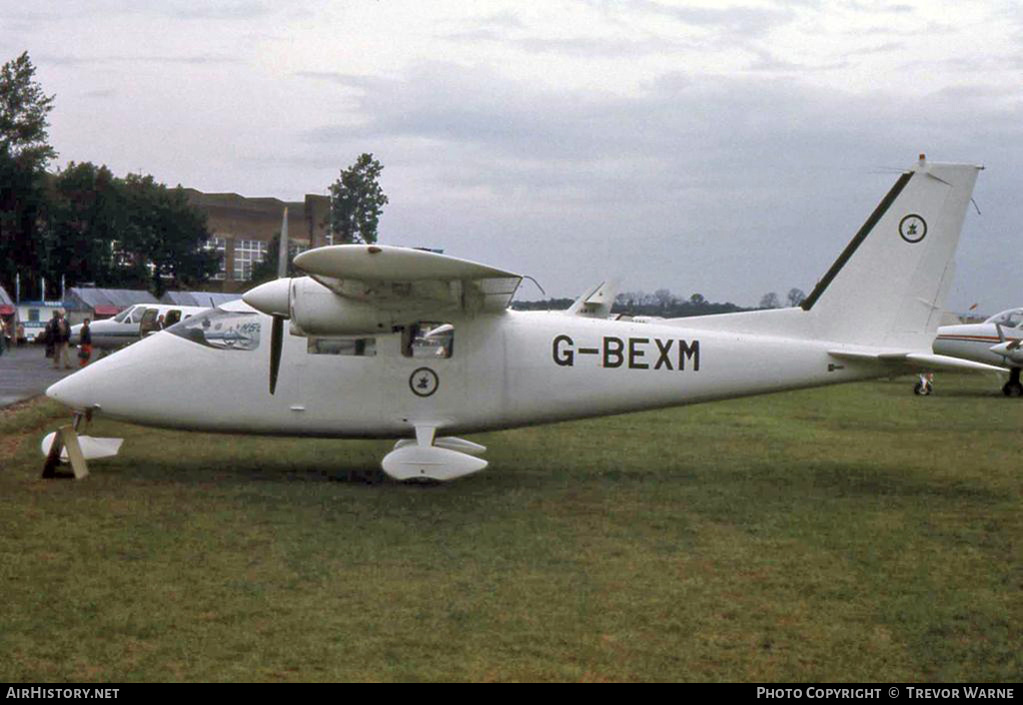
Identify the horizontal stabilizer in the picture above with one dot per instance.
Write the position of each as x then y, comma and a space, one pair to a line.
92, 448
916, 361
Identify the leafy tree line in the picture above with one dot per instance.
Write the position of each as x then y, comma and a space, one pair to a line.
665, 304
85, 224
771, 300
129, 232
637, 303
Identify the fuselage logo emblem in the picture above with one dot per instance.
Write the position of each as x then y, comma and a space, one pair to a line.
912, 228
423, 382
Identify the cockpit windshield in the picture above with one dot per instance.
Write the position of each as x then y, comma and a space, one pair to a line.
123, 315
220, 329
1008, 319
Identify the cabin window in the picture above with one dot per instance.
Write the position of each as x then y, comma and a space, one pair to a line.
137, 313
428, 339
359, 347
220, 329
171, 318
150, 323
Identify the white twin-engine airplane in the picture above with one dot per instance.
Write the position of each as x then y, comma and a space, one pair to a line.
389, 342
996, 341
132, 324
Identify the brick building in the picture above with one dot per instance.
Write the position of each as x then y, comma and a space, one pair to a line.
243, 228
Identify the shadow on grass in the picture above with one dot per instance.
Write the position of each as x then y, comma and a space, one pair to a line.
847, 479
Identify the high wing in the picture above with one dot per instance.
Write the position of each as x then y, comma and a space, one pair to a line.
393, 278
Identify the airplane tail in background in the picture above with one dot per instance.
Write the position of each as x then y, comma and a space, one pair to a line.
888, 287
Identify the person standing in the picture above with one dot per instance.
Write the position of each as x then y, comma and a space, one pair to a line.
61, 338
85, 351
50, 339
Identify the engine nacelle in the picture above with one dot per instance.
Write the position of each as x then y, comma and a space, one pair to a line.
316, 310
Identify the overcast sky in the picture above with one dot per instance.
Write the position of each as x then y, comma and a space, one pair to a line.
729, 149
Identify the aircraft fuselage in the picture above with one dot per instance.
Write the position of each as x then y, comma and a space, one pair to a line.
504, 370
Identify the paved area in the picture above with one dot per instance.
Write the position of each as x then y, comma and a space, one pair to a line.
26, 372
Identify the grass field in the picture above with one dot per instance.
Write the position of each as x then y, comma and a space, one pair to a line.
855, 533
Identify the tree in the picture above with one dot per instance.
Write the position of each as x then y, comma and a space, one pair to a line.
84, 218
664, 298
796, 296
24, 154
356, 202
164, 242
124, 233
770, 300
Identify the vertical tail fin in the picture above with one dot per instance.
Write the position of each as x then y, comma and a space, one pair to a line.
888, 286
596, 302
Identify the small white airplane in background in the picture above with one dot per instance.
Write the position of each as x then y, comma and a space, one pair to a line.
389, 342
132, 324
996, 341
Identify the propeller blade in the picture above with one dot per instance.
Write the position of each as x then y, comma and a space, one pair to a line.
276, 345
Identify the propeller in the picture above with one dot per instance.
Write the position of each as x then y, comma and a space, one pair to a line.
273, 299
276, 345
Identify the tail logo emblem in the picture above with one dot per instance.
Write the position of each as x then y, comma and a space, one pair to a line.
912, 228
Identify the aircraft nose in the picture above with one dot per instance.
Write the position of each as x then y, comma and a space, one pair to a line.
76, 391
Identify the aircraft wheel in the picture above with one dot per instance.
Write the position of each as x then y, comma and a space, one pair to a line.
1013, 389
922, 390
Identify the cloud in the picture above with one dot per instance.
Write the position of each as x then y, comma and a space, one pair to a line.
230, 10
344, 79
100, 93
198, 60
737, 21
716, 167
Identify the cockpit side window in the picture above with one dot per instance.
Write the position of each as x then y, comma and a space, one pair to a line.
220, 329
428, 339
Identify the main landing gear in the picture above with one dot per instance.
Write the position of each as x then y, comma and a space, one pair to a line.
925, 385
1013, 388
433, 459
